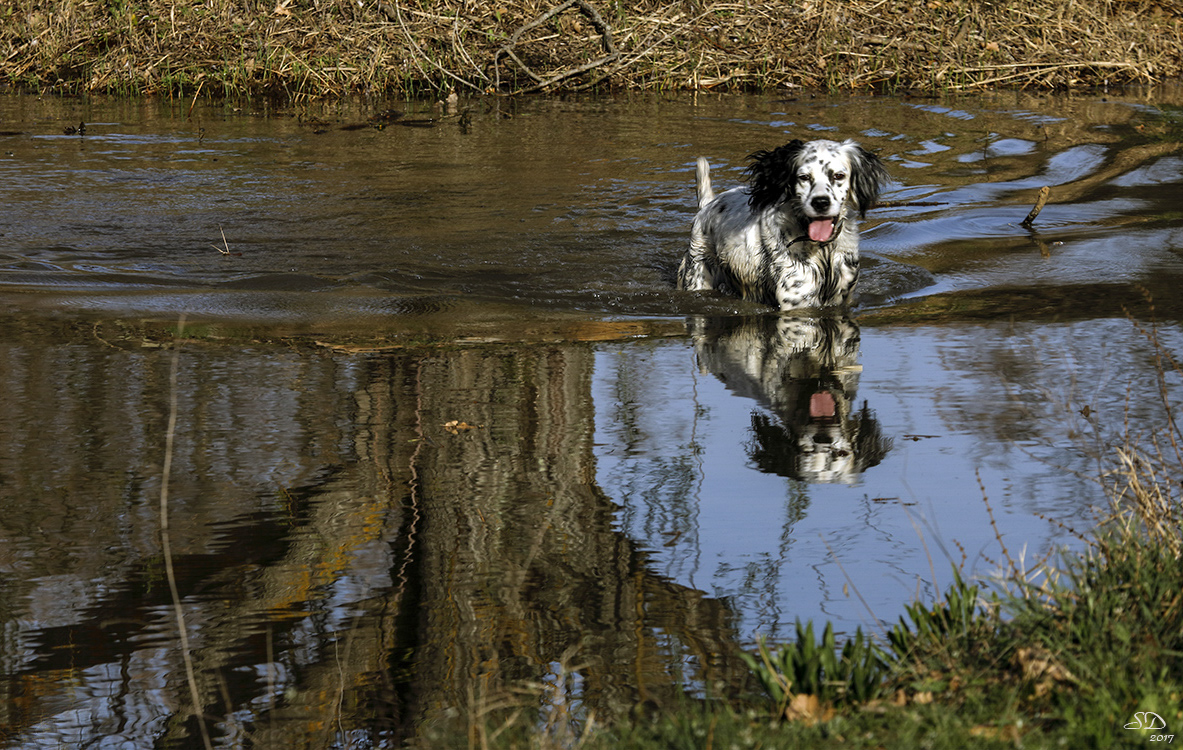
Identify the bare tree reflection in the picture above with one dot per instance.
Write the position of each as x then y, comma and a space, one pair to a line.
437, 541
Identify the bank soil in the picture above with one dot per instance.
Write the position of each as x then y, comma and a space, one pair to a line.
317, 48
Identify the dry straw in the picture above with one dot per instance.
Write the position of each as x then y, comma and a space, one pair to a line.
300, 48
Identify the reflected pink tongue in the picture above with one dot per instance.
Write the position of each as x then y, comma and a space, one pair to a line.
821, 229
821, 405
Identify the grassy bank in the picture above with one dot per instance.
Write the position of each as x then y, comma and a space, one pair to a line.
299, 48
1083, 651
1089, 658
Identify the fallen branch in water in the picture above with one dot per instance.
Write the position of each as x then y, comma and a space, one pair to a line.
1044, 192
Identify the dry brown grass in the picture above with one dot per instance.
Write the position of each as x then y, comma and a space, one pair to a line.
301, 48
1146, 479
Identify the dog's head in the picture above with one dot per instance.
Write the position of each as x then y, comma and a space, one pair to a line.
817, 181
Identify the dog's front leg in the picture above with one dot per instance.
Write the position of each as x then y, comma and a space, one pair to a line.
794, 287
693, 272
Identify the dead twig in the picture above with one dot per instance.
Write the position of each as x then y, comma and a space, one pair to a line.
507, 50
225, 249
1044, 192
419, 53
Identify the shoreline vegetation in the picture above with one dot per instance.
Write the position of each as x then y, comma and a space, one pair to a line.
300, 49
1079, 648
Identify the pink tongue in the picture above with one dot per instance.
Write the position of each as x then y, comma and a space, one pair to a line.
821, 405
821, 229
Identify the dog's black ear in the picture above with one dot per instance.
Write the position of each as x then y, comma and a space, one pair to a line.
868, 177
772, 173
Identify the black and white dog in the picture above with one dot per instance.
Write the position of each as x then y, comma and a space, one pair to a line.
790, 237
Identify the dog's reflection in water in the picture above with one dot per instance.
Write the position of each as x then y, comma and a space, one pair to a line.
805, 370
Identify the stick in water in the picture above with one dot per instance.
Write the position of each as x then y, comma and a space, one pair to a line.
1044, 192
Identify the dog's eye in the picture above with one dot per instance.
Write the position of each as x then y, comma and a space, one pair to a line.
803, 178
839, 176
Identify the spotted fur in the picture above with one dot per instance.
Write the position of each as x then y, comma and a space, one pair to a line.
790, 237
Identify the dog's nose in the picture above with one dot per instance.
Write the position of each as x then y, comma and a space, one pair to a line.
820, 203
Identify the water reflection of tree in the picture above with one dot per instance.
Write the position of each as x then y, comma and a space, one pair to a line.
657, 486
1068, 389
528, 566
404, 570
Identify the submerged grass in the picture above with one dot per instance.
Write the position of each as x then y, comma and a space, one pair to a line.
1083, 652
297, 48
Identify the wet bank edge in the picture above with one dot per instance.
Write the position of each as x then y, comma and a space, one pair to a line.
52, 321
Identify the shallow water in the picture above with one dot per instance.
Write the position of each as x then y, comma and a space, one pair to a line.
444, 426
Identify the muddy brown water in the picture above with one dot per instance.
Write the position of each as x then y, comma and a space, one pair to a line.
444, 427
